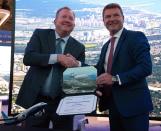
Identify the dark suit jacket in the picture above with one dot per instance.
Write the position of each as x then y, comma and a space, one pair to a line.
37, 53
132, 62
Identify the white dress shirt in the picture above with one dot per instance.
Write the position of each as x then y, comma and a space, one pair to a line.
53, 57
117, 37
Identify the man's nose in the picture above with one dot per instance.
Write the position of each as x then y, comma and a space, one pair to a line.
68, 19
112, 18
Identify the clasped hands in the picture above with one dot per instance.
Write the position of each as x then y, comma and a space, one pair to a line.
67, 60
103, 79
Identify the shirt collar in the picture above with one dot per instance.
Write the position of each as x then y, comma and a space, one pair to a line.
64, 38
118, 34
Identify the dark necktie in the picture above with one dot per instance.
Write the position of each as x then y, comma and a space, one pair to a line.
107, 89
58, 46
110, 57
53, 81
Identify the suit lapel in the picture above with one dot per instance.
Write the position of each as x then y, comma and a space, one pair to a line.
119, 44
104, 50
51, 41
103, 55
69, 46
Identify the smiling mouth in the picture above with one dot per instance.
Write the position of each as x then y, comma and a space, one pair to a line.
67, 25
113, 24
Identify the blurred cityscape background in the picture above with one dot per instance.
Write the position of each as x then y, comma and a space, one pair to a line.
143, 15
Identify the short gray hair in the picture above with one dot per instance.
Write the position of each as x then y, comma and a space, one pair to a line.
64, 8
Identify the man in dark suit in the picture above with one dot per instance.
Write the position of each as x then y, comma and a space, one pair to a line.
122, 85
48, 53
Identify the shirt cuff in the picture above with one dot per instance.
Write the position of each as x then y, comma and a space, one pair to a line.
119, 79
53, 59
80, 64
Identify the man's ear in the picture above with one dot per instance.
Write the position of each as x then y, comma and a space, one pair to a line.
54, 21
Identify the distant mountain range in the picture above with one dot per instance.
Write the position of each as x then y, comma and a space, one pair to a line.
47, 8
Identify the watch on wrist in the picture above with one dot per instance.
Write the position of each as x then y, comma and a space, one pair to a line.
115, 79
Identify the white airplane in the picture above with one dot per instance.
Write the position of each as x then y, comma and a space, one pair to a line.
22, 116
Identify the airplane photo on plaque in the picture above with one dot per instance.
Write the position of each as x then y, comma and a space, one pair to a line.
79, 80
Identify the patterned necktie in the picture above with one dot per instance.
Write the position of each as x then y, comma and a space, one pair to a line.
52, 83
59, 46
110, 57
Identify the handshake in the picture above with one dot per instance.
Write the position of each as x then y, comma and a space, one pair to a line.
67, 60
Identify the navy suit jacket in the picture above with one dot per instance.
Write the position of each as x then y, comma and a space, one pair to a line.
37, 53
132, 62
